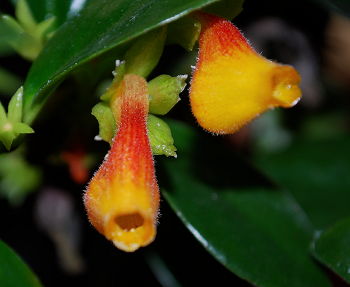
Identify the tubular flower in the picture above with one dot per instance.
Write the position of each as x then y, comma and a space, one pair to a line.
122, 198
232, 84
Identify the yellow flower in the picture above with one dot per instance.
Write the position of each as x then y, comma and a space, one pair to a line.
122, 198
232, 84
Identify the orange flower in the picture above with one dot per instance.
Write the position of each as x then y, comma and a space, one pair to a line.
122, 199
232, 84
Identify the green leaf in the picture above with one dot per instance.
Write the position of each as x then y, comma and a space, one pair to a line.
317, 174
99, 27
255, 230
14, 272
332, 248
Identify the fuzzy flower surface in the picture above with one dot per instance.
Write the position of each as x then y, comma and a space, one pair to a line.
122, 199
232, 84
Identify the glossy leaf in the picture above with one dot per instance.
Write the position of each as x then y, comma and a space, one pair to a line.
317, 174
81, 39
332, 248
255, 230
13, 271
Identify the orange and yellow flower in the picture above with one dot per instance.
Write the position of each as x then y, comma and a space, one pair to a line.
232, 84
122, 199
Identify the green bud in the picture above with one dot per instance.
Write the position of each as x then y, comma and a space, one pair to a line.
164, 93
184, 32
22, 42
160, 138
106, 122
11, 123
25, 35
145, 52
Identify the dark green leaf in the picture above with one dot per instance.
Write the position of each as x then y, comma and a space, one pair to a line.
332, 248
255, 230
101, 26
317, 174
13, 271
